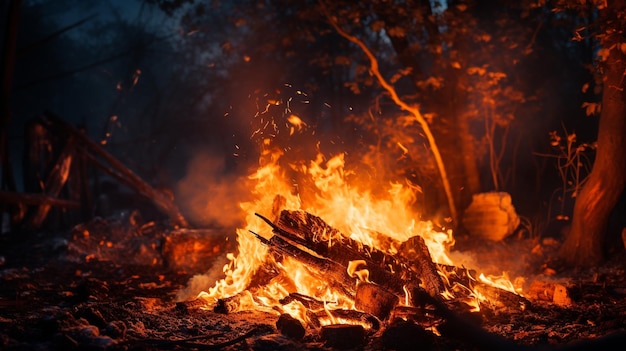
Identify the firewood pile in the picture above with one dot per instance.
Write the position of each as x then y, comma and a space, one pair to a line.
111, 285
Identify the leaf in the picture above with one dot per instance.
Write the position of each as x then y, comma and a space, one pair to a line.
396, 31
342, 60
476, 70
591, 108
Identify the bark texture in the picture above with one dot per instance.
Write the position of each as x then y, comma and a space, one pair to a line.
584, 244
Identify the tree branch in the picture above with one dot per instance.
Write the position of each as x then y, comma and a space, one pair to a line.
413, 110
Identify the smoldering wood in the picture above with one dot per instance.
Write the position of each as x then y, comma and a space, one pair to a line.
314, 234
290, 327
228, 304
423, 315
190, 305
415, 250
343, 336
402, 335
307, 301
336, 275
368, 321
373, 299
118, 170
502, 298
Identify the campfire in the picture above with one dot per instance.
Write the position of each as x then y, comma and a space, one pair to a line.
327, 258
376, 264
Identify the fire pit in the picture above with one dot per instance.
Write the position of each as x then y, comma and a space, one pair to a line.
290, 280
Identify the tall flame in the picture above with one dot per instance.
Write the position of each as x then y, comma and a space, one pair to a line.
351, 208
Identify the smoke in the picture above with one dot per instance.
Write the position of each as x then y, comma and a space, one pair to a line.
202, 282
209, 195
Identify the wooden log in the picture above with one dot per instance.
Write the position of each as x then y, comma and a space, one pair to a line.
335, 274
290, 327
375, 300
313, 233
117, 169
339, 316
307, 301
502, 298
343, 336
402, 335
416, 251
190, 305
231, 304
194, 250
36, 199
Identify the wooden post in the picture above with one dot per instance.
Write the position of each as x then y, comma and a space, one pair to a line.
54, 184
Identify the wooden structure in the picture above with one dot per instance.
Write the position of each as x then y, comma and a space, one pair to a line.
50, 176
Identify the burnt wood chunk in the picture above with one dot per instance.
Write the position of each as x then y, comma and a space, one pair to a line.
290, 327
403, 335
302, 228
416, 251
343, 336
194, 250
502, 298
375, 300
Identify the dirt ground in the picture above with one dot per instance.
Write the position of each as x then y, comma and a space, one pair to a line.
115, 288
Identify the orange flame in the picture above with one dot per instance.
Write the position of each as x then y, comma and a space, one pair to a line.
344, 206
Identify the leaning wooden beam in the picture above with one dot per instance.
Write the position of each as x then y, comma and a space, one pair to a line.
116, 168
54, 183
36, 199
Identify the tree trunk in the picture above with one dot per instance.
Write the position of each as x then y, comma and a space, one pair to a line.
7, 63
584, 244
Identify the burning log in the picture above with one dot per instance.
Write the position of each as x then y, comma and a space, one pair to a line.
341, 316
502, 298
373, 299
416, 251
233, 303
389, 271
307, 301
291, 327
336, 274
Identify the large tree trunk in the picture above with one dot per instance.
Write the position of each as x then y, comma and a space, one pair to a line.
584, 244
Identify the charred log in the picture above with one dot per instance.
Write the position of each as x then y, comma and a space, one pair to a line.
343, 336
335, 274
502, 298
290, 327
416, 251
392, 272
307, 301
373, 299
